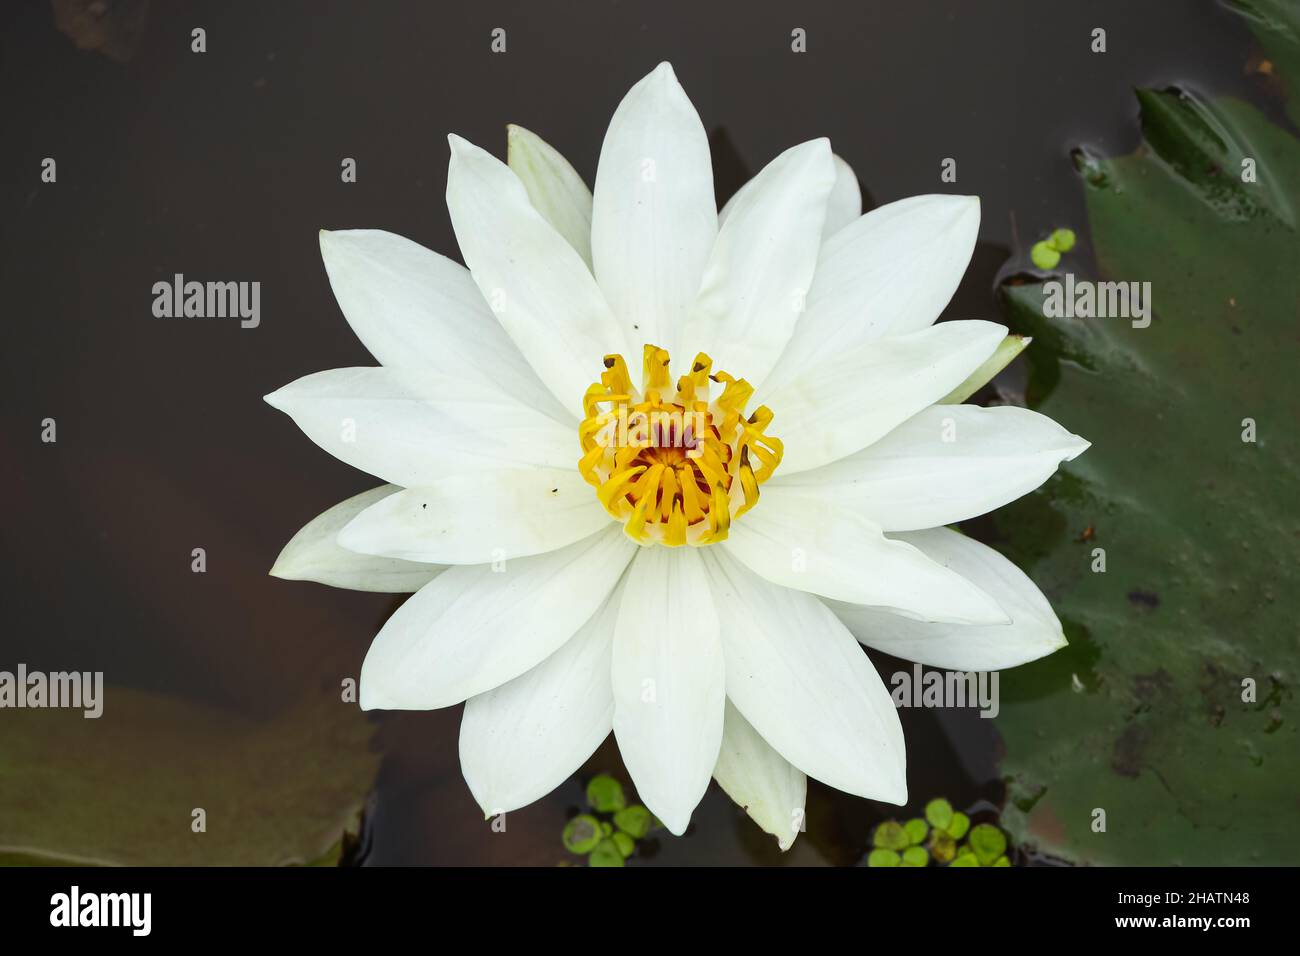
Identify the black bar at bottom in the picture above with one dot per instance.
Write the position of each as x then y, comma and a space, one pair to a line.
305, 905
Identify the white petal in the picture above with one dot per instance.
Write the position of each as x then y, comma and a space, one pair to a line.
730, 204
844, 205
478, 519
890, 272
413, 308
313, 554
554, 187
762, 782
806, 542
411, 427
945, 464
540, 289
473, 627
654, 219
800, 678
523, 739
761, 267
853, 399
1033, 632
668, 682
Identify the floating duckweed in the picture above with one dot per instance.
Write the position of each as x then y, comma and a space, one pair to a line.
605, 794
608, 835
945, 836
890, 835
939, 813
942, 847
959, 825
1062, 240
581, 834
987, 842
605, 854
1044, 256
635, 821
624, 843
916, 856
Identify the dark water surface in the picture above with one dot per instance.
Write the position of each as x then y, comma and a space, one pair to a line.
224, 165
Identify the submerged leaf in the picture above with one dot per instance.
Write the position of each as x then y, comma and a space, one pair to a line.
123, 789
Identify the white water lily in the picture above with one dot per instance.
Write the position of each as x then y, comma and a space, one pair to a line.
700, 587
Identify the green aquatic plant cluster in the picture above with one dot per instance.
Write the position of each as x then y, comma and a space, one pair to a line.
944, 837
608, 835
1046, 253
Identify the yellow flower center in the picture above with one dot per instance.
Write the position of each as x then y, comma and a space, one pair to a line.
676, 467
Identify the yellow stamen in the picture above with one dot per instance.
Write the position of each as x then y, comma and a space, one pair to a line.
675, 466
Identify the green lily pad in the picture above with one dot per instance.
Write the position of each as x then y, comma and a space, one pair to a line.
883, 858
1276, 24
1139, 744
965, 859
